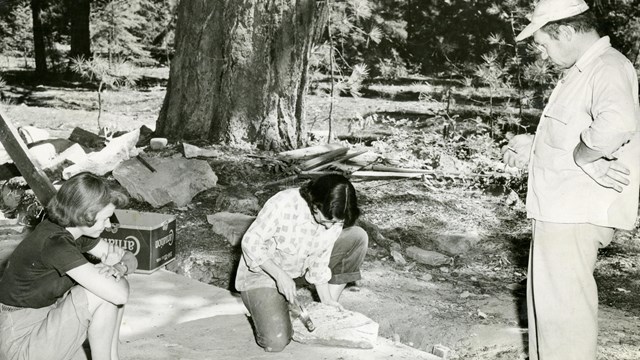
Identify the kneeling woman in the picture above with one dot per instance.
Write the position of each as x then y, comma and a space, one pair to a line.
299, 232
51, 297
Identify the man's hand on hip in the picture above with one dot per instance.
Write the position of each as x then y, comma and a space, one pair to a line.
605, 170
608, 173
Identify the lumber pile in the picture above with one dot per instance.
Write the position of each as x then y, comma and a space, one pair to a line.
357, 164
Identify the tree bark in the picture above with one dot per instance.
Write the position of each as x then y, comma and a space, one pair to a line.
239, 73
79, 12
38, 37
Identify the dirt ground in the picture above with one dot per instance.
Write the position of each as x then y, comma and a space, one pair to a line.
473, 306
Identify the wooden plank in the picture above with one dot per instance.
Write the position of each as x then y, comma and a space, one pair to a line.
19, 153
399, 169
371, 175
338, 160
322, 159
308, 152
418, 174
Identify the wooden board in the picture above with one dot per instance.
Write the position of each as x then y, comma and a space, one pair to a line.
308, 152
17, 150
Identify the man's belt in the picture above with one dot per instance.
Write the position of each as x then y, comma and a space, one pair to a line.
9, 308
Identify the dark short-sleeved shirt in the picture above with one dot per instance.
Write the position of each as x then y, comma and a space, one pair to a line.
36, 276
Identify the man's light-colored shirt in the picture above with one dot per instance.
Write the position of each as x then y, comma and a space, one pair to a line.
286, 232
596, 100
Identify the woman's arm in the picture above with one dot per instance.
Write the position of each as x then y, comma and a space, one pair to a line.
129, 260
109, 254
122, 261
115, 291
325, 296
284, 282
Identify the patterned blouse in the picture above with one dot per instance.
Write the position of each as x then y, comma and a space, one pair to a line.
286, 232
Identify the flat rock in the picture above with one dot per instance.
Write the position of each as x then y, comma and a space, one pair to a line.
427, 257
175, 180
238, 200
230, 225
336, 328
456, 244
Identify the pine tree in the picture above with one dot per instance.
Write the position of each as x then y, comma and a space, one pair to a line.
16, 33
113, 26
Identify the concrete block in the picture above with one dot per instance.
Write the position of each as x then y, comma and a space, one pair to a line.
158, 143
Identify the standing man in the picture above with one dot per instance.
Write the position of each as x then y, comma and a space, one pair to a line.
584, 176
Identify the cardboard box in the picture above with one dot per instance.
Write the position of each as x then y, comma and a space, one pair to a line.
149, 236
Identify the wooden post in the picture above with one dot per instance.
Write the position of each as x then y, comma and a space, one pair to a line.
19, 153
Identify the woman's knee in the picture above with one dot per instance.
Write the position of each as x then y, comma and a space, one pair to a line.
275, 342
94, 301
356, 236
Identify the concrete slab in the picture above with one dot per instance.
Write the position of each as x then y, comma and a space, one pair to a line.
164, 298
229, 337
170, 316
173, 317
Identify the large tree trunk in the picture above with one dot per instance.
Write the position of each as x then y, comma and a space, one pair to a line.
78, 12
239, 71
38, 37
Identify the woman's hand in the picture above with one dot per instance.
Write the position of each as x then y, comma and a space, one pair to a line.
325, 296
117, 271
334, 303
286, 286
113, 256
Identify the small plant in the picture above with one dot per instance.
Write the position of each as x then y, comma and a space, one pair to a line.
493, 74
361, 123
2, 85
98, 70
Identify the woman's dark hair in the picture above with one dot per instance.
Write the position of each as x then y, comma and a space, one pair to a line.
334, 196
582, 23
81, 197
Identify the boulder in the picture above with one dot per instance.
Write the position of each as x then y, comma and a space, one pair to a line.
238, 200
456, 244
230, 225
175, 180
336, 328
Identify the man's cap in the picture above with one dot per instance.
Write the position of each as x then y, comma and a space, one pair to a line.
551, 10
